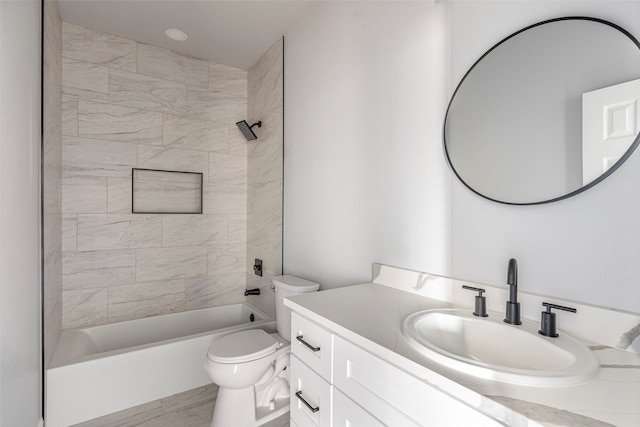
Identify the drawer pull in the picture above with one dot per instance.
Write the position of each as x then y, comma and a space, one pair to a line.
309, 346
311, 408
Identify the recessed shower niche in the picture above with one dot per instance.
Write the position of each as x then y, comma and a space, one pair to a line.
162, 191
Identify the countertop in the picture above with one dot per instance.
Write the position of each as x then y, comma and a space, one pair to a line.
370, 316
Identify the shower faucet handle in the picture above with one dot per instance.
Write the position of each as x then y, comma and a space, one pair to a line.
257, 267
481, 301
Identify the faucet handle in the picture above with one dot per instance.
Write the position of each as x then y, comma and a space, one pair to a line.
481, 301
548, 320
471, 288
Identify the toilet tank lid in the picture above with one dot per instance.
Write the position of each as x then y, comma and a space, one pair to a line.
295, 284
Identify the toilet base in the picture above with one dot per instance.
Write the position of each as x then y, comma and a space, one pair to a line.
232, 406
264, 414
233, 409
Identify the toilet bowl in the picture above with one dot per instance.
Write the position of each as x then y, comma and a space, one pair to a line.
251, 367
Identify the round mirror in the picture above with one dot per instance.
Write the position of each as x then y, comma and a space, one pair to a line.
547, 112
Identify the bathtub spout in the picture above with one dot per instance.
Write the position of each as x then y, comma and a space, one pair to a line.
255, 291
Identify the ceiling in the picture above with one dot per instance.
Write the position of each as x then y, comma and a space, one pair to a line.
229, 32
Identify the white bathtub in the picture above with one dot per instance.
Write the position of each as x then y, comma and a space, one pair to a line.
104, 369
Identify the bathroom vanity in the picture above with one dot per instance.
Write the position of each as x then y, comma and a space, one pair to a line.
352, 366
338, 383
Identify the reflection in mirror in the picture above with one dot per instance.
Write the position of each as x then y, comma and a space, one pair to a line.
610, 118
546, 113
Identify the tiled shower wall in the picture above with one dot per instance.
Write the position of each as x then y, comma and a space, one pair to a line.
265, 173
125, 105
51, 169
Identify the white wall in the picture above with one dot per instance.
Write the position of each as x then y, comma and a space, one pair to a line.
366, 180
586, 248
20, 359
365, 175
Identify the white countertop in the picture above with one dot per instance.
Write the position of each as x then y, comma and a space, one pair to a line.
370, 316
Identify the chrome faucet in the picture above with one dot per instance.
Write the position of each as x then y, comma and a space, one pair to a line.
512, 314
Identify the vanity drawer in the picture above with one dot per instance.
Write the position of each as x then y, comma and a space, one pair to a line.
376, 385
346, 413
311, 396
313, 345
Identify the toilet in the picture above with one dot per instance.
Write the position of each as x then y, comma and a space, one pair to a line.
250, 367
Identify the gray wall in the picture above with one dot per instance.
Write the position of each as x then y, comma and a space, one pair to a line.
20, 376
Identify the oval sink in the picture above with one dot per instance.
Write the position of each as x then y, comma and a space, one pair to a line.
487, 347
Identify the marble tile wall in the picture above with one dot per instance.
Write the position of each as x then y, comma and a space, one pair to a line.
265, 173
124, 105
51, 170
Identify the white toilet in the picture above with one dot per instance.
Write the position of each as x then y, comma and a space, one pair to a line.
251, 366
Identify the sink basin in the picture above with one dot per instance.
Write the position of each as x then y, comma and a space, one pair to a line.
487, 347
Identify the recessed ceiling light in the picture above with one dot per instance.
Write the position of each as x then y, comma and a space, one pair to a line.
175, 34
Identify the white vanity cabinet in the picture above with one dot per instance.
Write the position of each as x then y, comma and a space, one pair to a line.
346, 413
351, 387
311, 396
311, 373
394, 396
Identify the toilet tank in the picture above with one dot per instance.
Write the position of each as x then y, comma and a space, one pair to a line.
286, 286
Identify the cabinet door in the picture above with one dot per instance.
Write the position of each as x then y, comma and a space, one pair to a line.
346, 413
311, 396
383, 390
313, 345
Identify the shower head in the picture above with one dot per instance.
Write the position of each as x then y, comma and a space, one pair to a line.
247, 130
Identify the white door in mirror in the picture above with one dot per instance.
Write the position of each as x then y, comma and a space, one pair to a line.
610, 120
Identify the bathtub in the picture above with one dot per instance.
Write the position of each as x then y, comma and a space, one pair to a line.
99, 370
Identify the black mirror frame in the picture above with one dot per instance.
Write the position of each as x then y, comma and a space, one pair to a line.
613, 168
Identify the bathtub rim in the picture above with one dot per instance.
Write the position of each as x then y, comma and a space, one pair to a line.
57, 363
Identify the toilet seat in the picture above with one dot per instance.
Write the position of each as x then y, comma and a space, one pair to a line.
242, 346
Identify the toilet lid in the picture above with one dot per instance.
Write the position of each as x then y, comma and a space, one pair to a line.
242, 346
